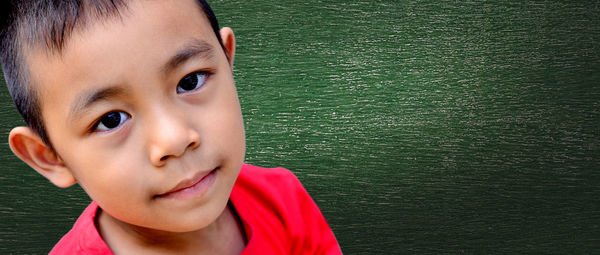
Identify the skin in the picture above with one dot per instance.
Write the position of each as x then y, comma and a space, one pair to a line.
165, 137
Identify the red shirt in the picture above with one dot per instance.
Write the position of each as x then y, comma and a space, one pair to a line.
277, 214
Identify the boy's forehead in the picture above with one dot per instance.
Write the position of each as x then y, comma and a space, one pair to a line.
142, 18
151, 33
125, 13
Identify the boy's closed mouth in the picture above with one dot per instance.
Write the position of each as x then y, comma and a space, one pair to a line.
190, 187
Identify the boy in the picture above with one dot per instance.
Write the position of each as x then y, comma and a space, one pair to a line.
135, 101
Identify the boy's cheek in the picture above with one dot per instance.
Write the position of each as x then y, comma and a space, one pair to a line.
99, 167
108, 176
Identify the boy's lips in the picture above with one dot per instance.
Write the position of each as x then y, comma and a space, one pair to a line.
190, 187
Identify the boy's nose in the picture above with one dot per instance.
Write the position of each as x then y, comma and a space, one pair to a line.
171, 137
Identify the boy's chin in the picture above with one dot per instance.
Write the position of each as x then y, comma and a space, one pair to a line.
192, 221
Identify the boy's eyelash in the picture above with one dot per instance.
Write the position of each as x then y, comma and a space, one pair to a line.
94, 124
208, 73
206, 77
93, 128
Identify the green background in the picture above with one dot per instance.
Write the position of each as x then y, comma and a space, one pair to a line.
417, 126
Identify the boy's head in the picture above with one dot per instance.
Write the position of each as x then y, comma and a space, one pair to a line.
49, 24
134, 100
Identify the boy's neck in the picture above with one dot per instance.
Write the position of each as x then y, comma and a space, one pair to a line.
224, 236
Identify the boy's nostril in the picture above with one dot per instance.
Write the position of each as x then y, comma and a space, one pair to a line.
190, 146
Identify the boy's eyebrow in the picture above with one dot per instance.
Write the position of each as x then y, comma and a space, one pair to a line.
194, 48
84, 100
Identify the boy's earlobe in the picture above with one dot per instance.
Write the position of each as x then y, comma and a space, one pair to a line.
30, 148
228, 40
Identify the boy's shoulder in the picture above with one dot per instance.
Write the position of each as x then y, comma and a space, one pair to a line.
275, 190
251, 176
278, 214
84, 237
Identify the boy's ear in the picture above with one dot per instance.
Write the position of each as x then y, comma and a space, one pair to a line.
229, 42
29, 147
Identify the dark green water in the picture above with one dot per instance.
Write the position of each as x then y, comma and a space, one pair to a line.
417, 126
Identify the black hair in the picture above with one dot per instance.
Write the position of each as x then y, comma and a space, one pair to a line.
29, 24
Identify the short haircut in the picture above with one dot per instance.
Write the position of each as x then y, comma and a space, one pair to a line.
48, 25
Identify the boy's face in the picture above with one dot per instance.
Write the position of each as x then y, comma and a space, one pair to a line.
140, 107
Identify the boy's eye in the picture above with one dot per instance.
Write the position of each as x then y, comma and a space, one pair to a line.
192, 82
111, 120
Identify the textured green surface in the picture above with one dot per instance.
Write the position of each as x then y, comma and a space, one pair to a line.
417, 126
